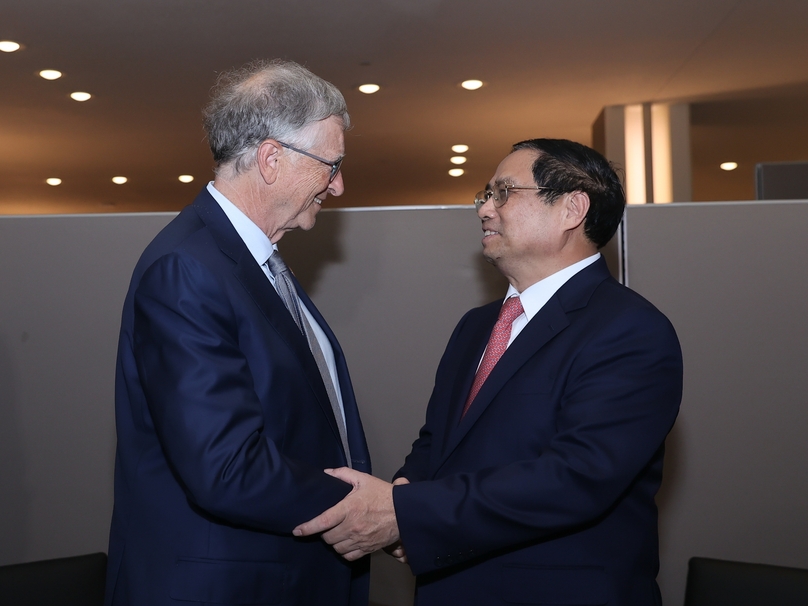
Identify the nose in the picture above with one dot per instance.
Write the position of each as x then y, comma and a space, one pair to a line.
487, 210
337, 186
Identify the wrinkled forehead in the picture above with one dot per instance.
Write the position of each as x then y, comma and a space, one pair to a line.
515, 169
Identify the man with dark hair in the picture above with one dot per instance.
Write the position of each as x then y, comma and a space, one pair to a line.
232, 394
533, 479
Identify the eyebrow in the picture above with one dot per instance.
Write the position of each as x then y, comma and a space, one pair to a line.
335, 161
341, 156
502, 181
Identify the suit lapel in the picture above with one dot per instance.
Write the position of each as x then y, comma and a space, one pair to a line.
470, 347
550, 320
544, 326
255, 282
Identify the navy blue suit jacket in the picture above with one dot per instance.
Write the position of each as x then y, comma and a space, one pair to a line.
544, 492
224, 427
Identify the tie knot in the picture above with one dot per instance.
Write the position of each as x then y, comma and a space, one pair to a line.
511, 309
276, 264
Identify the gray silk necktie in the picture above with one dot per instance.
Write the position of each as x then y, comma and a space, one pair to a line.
288, 294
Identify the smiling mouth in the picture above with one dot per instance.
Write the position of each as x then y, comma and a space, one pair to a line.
489, 232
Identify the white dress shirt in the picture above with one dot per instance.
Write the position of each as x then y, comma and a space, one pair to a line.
261, 248
534, 297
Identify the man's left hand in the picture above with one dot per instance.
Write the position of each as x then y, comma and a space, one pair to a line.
363, 522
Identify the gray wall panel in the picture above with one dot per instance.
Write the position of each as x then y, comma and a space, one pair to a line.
392, 284
733, 280
62, 284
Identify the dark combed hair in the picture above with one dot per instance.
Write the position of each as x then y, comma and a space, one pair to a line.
566, 166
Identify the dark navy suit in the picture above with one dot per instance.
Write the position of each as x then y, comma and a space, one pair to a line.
544, 492
224, 427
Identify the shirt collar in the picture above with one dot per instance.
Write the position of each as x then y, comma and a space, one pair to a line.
256, 241
536, 296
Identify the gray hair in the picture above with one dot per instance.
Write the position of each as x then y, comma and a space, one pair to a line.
266, 99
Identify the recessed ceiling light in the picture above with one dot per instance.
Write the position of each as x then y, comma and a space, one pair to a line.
79, 96
8, 46
456, 172
460, 149
458, 159
369, 89
53, 181
119, 180
729, 165
185, 178
471, 84
50, 74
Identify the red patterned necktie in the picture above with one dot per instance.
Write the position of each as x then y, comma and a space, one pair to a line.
497, 344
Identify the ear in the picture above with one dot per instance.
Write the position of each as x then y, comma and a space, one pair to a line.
577, 207
267, 159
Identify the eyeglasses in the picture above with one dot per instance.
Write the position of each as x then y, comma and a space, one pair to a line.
500, 196
335, 166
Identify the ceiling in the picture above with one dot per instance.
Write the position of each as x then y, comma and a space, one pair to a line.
549, 67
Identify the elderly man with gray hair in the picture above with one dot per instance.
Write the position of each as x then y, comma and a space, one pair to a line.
232, 393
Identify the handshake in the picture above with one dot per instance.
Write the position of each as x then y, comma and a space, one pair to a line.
363, 522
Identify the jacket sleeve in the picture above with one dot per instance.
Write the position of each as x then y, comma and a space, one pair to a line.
616, 405
202, 402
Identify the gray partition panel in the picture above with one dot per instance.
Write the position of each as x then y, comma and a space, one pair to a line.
393, 283
62, 285
733, 280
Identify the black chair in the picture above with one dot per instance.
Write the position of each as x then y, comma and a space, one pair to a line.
713, 582
76, 581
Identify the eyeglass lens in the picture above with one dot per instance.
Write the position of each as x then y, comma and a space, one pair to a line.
335, 169
500, 196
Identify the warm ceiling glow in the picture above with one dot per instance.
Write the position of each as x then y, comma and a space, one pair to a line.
185, 178
458, 159
78, 96
460, 149
456, 172
119, 180
729, 165
50, 74
471, 84
53, 181
369, 89
7, 46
